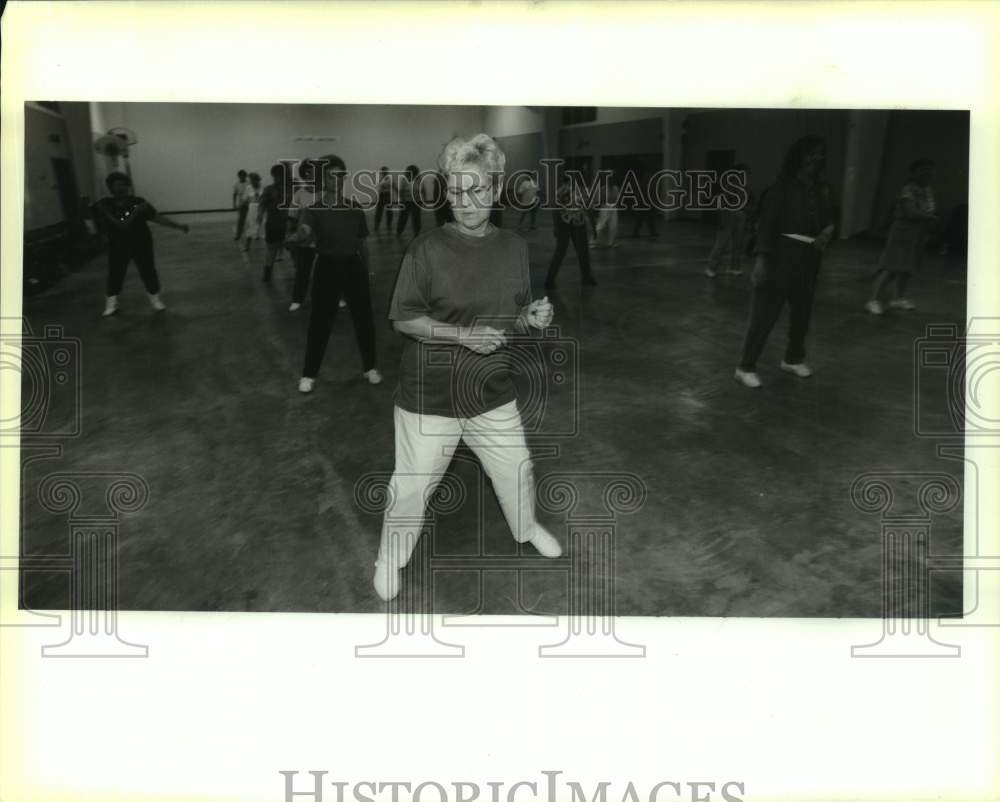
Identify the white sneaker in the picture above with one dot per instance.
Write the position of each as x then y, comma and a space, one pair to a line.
342, 304
546, 543
875, 308
110, 306
800, 369
306, 385
710, 273
747, 378
294, 307
373, 376
156, 303
385, 581
901, 303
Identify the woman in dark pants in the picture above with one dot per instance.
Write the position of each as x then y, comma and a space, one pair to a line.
409, 193
339, 228
796, 225
302, 250
570, 226
384, 203
122, 219
273, 212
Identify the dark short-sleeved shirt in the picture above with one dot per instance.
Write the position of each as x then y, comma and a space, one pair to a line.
277, 217
124, 222
338, 231
793, 206
460, 280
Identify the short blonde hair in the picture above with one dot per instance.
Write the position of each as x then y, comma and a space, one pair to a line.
480, 151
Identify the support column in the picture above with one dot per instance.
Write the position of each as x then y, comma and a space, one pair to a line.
862, 170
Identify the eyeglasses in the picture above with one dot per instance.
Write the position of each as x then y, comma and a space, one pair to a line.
479, 192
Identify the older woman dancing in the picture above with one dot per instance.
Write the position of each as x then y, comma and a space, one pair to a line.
461, 288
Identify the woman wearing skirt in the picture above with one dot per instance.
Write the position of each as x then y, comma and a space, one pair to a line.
914, 216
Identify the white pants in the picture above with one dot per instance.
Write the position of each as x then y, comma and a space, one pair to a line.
425, 445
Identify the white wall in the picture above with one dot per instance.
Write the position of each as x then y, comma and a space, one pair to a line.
501, 121
188, 153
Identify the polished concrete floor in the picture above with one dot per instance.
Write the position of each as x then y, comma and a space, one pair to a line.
747, 508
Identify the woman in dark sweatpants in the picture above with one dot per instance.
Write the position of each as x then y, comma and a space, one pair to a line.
796, 225
123, 219
570, 227
339, 228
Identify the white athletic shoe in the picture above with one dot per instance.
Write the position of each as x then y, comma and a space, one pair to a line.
710, 273
385, 581
294, 307
342, 304
373, 376
156, 303
875, 308
800, 369
901, 303
747, 378
306, 385
110, 306
545, 542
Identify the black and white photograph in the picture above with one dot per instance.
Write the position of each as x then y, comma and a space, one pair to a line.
499, 401
326, 333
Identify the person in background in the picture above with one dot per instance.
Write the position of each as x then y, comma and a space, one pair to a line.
592, 211
570, 226
338, 227
914, 217
463, 290
646, 211
409, 190
527, 198
273, 211
250, 203
123, 219
607, 218
303, 249
442, 209
238, 189
730, 239
384, 203
796, 225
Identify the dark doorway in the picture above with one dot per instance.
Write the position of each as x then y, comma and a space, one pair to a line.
66, 185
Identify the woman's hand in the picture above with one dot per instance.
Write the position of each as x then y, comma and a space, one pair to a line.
539, 313
482, 339
823, 239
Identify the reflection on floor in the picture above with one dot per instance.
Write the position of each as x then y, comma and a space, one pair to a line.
746, 509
